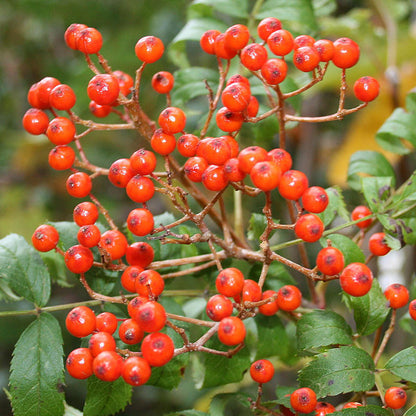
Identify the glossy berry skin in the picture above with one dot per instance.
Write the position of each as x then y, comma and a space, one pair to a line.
101, 341
230, 282
140, 221
214, 178
187, 145
232, 170
377, 244
221, 48
149, 283
89, 235
356, 279
85, 213
249, 156
78, 259
103, 89
72, 33
151, 316
79, 363
172, 120
351, 405
130, 332
195, 167
236, 97
306, 58
309, 228
140, 254
219, 307
280, 42
163, 143
397, 295
149, 49
303, 40
162, 82
62, 97
236, 37
359, 212
79, 185
61, 130
293, 184
251, 292
136, 371
228, 120
265, 175
346, 53
281, 157
325, 49
323, 408
45, 238
98, 110
35, 121
303, 400
89, 41
143, 162
38, 95
267, 26
330, 261
106, 322
140, 189
207, 41
80, 321
412, 309
231, 331
253, 107
232, 143
134, 305
107, 366
269, 308
274, 71
395, 397
315, 199
129, 276
157, 349
253, 56
366, 89
61, 157
120, 173
289, 298
113, 243
216, 151
262, 371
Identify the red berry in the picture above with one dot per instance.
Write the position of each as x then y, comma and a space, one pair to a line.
98, 110
216, 151
134, 305
89, 41
130, 332
232, 143
89, 235
149, 283
306, 58
187, 145
140, 189
163, 143
236, 37
315, 199
62, 97
219, 307
359, 212
397, 295
356, 279
230, 282
366, 89
45, 238
207, 41
271, 307
280, 42
214, 178
139, 254
103, 89
72, 33
80, 321
303, 400
281, 157
351, 405
43, 91
323, 408
61, 157
377, 244
265, 175
221, 48
107, 366
236, 97
172, 120
249, 156
194, 168
162, 82
35, 121
157, 349
267, 26
303, 40
253, 107
330, 261
120, 173
251, 292
61, 130
346, 53
238, 78
232, 171
293, 184
79, 185
412, 309
140, 221
101, 341
253, 56
289, 298
114, 244
309, 228
228, 121
143, 162
325, 49
85, 213
395, 397
129, 276
262, 371
151, 316
231, 331
79, 363
149, 49
78, 259
106, 322
136, 371
274, 71
125, 82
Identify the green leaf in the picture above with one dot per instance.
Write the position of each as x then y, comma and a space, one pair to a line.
336, 206
187, 413
369, 410
377, 190
339, 370
299, 11
67, 233
322, 328
23, 270
324, 7
104, 398
220, 370
256, 226
57, 269
403, 364
37, 370
411, 411
368, 163
370, 310
411, 101
71, 411
397, 129
235, 8
352, 253
219, 403
272, 337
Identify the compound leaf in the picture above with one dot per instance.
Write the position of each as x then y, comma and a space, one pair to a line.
403, 364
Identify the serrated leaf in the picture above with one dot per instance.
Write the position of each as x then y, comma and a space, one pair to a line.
376, 190
236, 8
395, 130
105, 398
57, 269
23, 270
370, 310
352, 253
403, 364
67, 233
369, 410
272, 337
220, 370
368, 163
336, 206
322, 328
339, 370
37, 370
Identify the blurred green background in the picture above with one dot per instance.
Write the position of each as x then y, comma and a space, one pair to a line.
32, 47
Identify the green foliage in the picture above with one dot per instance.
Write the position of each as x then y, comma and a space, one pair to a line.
403, 364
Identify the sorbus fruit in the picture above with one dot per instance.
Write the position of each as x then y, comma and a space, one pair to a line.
134, 305
140, 254
356, 279
45, 238
359, 212
143, 162
151, 316
207, 41
351, 405
114, 243
397, 295
265, 175
125, 82
330, 261
253, 107
230, 282
269, 308
395, 397
315, 199
89, 41
219, 307
412, 309
136, 371
251, 292
238, 78
221, 48
262, 371
293, 184
232, 170
323, 408
98, 110
303, 40
89, 235
101, 341
306, 58
140, 188
216, 151
61, 157
236, 37
377, 244
85, 213
103, 89
289, 298
140, 221
172, 120
274, 71
72, 33
162, 82
106, 322
214, 178
61, 130
267, 26
236, 96
346, 53
80, 321
62, 97
194, 168
157, 349
35, 121
253, 56
130, 332
325, 49
78, 259
249, 156
107, 366
79, 185
187, 145
120, 173
79, 363
129, 276
231, 331
309, 228
303, 400
163, 143
228, 121
149, 283
232, 143
280, 42
281, 157
149, 49
366, 89
43, 91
